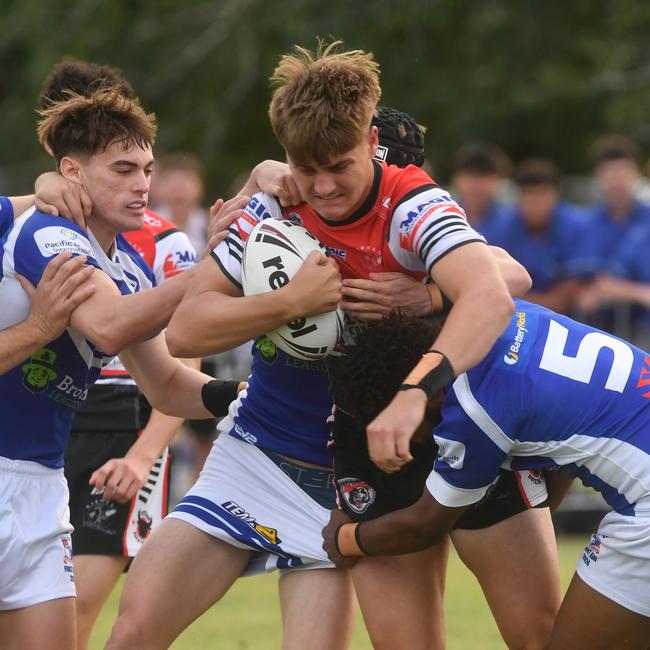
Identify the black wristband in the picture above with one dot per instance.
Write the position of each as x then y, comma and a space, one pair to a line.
336, 539
358, 540
218, 394
434, 380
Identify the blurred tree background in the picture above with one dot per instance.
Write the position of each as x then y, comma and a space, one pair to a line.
536, 78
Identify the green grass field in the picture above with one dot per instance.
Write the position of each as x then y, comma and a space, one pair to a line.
248, 618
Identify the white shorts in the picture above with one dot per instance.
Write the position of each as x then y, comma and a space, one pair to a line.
242, 497
616, 563
35, 544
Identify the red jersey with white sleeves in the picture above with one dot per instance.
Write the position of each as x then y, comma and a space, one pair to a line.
114, 402
407, 223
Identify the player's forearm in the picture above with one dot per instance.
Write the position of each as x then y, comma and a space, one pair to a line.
160, 429
126, 320
408, 530
19, 342
179, 394
478, 317
212, 322
157, 435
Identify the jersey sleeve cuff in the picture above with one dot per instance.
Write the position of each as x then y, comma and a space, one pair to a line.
450, 496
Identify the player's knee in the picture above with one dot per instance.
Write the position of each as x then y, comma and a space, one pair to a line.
128, 633
533, 636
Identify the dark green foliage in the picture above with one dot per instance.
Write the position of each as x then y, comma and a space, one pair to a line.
542, 79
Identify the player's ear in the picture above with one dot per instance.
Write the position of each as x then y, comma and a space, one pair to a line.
70, 168
373, 140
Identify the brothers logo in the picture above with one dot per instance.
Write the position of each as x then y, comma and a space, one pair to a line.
39, 372
267, 349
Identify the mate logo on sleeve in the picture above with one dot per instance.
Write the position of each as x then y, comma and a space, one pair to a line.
53, 240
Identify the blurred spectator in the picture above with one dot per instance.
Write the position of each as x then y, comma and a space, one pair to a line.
177, 193
617, 174
618, 226
547, 236
626, 280
479, 174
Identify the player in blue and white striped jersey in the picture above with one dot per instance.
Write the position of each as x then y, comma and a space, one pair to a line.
103, 142
51, 303
552, 393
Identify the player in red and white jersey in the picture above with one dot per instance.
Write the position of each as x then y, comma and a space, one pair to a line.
330, 151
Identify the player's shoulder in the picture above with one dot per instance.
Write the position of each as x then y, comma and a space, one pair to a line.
263, 206
6, 214
52, 235
403, 181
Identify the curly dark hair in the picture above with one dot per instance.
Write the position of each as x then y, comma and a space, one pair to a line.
81, 78
366, 379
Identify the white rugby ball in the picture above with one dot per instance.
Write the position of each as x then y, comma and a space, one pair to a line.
274, 252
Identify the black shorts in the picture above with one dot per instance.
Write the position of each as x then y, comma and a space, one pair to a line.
364, 492
107, 527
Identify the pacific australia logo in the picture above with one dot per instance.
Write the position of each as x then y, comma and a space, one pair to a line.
512, 355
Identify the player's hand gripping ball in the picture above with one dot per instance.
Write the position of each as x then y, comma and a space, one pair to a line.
274, 252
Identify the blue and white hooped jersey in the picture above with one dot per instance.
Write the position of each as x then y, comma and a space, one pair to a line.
284, 407
552, 392
6, 215
39, 397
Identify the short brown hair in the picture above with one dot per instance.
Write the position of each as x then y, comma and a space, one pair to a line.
80, 77
323, 103
87, 125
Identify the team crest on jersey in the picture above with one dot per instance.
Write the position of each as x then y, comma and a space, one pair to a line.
357, 494
142, 525
267, 349
371, 258
39, 372
268, 533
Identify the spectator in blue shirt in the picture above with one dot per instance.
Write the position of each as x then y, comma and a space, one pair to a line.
619, 227
617, 174
545, 235
479, 174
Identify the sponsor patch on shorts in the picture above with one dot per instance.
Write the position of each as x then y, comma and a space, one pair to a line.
358, 495
591, 552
